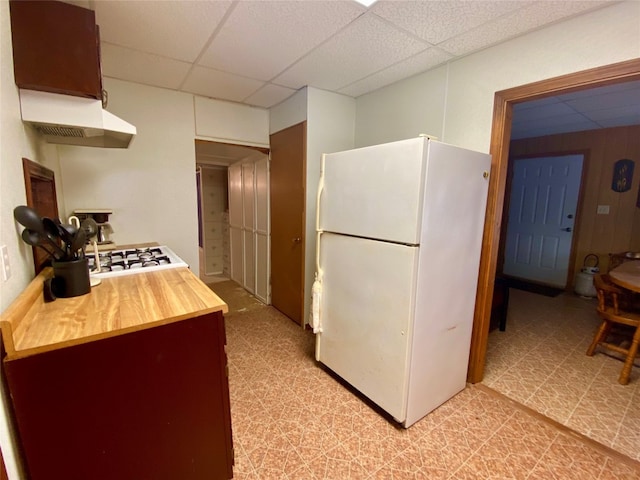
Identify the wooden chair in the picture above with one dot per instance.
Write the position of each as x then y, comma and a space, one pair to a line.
611, 303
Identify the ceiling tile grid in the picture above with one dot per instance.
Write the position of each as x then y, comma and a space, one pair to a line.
216, 84
141, 67
435, 22
261, 39
421, 62
172, 29
530, 16
603, 107
259, 52
367, 46
269, 95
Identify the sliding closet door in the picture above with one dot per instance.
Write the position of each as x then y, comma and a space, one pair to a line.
248, 226
236, 239
261, 236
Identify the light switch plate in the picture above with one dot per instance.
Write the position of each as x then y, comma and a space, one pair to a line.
4, 263
603, 209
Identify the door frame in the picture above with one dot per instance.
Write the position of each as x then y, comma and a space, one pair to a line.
504, 101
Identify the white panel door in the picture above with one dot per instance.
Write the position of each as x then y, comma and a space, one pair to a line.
366, 310
375, 192
237, 254
249, 261
236, 240
235, 196
542, 209
248, 225
262, 238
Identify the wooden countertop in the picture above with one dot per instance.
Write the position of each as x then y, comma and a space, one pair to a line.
118, 305
627, 275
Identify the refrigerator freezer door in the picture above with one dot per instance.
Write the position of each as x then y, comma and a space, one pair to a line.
375, 192
366, 307
455, 197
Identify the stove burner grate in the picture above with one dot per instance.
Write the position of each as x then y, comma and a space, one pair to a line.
130, 259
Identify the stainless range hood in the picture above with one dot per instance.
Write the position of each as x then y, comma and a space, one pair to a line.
69, 120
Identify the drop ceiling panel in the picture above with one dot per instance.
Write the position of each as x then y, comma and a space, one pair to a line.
407, 68
172, 29
269, 95
544, 113
561, 120
542, 129
438, 21
141, 67
526, 18
620, 121
606, 114
260, 52
616, 87
216, 84
260, 39
369, 45
615, 99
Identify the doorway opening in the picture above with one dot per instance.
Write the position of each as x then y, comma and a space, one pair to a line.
500, 138
233, 215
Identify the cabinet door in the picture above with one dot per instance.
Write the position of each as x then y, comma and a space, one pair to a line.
55, 48
150, 404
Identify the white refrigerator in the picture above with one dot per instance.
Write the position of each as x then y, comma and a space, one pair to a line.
399, 234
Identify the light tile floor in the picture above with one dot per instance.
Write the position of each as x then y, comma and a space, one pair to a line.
292, 420
540, 361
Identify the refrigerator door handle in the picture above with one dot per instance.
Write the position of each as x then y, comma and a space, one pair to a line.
318, 230
316, 288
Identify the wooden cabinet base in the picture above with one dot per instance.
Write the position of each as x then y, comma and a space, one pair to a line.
151, 404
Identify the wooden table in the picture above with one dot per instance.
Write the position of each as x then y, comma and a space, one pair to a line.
627, 275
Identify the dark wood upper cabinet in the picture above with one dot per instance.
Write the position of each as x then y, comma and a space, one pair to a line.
55, 48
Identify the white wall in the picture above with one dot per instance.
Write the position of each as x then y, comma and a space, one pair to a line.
403, 110
231, 122
289, 112
330, 128
151, 185
599, 38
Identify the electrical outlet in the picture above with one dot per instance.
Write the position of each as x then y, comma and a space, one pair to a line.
4, 263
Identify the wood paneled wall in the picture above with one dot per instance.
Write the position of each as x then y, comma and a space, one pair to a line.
619, 231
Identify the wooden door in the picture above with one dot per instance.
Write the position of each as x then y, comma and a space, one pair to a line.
542, 211
288, 151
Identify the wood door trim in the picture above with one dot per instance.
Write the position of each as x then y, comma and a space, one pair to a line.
264, 150
500, 137
34, 171
31, 170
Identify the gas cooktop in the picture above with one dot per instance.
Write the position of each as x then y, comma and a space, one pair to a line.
134, 260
